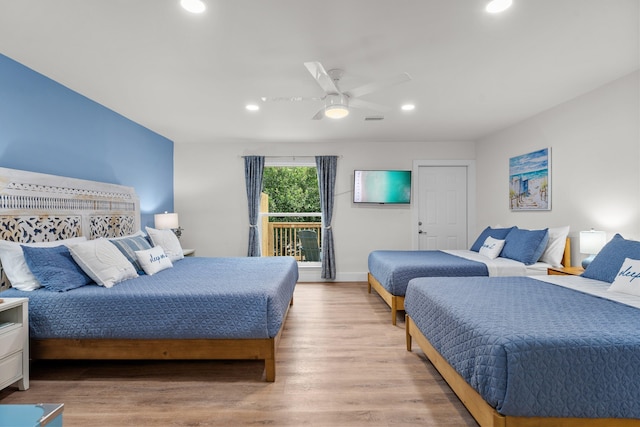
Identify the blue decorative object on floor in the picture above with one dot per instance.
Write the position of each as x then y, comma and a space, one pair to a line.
40, 415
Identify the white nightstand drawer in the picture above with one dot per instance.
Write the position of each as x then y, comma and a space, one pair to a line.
11, 340
14, 342
10, 369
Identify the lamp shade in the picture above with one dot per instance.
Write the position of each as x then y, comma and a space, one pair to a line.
592, 241
166, 221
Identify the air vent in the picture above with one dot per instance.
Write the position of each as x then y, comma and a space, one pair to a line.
370, 118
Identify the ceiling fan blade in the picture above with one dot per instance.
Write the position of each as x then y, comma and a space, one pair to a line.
359, 103
289, 99
322, 77
319, 115
372, 87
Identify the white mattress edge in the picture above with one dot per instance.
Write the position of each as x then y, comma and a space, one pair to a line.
499, 266
591, 287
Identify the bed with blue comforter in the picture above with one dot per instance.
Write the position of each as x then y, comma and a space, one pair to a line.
99, 287
518, 252
394, 269
199, 308
521, 348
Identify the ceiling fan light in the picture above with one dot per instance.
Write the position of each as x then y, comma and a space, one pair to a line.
336, 111
336, 106
193, 6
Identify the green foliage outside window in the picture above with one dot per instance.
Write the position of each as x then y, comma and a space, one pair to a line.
292, 189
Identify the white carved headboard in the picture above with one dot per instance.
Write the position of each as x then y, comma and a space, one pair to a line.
36, 207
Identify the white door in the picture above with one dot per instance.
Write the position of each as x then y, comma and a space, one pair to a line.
442, 207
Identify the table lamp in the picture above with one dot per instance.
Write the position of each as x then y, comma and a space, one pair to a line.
168, 221
590, 243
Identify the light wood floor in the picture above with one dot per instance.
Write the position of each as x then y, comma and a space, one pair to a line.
340, 363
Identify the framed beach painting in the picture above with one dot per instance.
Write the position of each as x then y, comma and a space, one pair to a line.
530, 181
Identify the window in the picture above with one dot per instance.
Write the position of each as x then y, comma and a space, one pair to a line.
291, 221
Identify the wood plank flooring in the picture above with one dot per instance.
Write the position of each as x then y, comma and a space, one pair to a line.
340, 363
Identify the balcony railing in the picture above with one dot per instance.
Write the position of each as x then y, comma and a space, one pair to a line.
281, 238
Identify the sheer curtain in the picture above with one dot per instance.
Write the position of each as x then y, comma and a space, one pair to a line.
327, 167
253, 169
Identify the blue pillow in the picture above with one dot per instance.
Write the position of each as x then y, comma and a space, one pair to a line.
129, 245
525, 246
607, 263
54, 268
496, 233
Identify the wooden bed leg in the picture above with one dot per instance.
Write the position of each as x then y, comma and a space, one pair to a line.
407, 319
270, 370
394, 311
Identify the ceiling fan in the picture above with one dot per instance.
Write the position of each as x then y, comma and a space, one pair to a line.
337, 101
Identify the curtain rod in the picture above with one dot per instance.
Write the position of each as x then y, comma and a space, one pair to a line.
289, 156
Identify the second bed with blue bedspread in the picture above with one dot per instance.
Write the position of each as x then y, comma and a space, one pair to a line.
390, 272
394, 269
533, 349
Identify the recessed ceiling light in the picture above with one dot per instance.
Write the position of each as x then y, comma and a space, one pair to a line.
193, 6
497, 6
252, 107
408, 107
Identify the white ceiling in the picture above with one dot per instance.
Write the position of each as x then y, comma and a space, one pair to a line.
188, 77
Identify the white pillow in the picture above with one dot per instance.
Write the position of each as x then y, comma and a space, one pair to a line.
554, 251
491, 247
103, 262
168, 241
15, 266
153, 260
627, 280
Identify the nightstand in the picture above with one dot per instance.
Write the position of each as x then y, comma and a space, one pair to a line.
189, 252
565, 271
14, 342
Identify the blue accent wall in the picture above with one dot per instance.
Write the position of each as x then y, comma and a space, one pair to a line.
46, 127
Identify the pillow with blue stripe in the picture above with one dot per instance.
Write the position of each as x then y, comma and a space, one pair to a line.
129, 245
496, 233
525, 246
607, 263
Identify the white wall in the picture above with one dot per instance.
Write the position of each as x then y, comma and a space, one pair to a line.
595, 144
211, 199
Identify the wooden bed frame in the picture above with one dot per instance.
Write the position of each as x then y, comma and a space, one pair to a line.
187, 349
38, 207
396, 302
483, 413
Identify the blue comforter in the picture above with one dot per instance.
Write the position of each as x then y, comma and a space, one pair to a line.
531, 348
394, 269
212, 298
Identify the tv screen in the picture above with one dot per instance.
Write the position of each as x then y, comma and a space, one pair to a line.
382, 186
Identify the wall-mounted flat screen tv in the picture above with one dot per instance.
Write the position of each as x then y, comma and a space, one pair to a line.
382, 186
